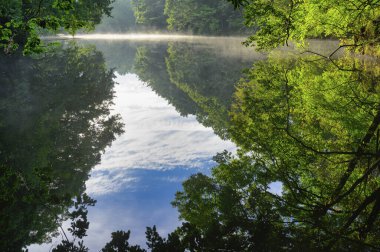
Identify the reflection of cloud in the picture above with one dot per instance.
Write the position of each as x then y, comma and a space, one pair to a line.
275, 188
174, 179
140, 173
156, 138
107, 182
145, 203
110, 218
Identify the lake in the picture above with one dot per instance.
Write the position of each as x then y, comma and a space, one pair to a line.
129, 119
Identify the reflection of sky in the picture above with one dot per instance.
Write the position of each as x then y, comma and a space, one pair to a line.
156, 138
144, 202
141, 171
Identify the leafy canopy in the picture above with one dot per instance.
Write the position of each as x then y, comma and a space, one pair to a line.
21, 22
355, 23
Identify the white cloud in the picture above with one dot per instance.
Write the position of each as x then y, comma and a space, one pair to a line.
276, 188
156, 137
110, 218
103, 183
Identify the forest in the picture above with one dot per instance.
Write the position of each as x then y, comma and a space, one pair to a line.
193, 17
308, 121
271, 23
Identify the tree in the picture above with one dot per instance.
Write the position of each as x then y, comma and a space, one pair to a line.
207, 77
55, 122
202, 17
119, 243
315, 127
22, 21
355, 23
231, 211
311, 128
79, 226
150, 67
150, 13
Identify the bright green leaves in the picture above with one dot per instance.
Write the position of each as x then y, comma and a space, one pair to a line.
21, 24
150, 13
277, 22
205, 17
274, 21
304, 176
195, 16
313, 127
278, 99
234, 209
55, 123
64, 5
195, 204
7, 36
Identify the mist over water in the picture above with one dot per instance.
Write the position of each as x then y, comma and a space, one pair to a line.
147, 36
224, 125
170, 125
231, 46
174, 95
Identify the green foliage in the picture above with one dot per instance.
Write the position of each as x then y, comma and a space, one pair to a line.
233, 210
193, 80
79, 225
198, 81
314, 127
205, 17
55, 122
150, 13
22, 21
310, 128
119, 243
207, 77
355, 23
67, 246
150, 66
195, 16
155, 242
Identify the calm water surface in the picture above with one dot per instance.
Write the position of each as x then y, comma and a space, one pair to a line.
172, 98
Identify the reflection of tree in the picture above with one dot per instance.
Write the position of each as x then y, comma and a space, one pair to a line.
231, 211
326, 120
55, 122
207, 78
118, 55
196, 80
312, 129
150, 67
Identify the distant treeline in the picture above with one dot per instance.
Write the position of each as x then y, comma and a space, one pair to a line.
190, 16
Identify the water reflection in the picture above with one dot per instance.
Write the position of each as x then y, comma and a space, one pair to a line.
160, 148
305, 175
325, 114
156, 138
55, 122
310, 125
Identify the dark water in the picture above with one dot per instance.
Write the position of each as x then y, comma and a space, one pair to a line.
128, 121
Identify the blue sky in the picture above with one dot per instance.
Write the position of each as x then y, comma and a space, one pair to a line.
140, 173
144, 167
